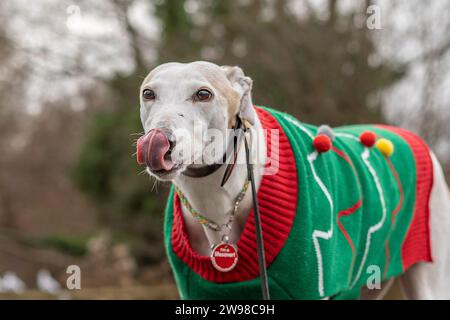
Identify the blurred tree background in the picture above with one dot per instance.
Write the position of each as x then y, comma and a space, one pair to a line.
73, 159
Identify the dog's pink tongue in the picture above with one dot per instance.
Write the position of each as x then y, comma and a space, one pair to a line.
152, 149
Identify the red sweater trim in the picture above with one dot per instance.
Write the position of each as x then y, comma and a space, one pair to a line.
417, 244
277, 198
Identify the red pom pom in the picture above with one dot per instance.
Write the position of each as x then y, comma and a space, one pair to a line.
368, 138
322, 143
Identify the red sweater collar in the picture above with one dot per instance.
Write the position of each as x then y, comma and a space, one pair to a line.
277, 198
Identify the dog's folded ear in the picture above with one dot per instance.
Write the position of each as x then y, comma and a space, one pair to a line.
243, 86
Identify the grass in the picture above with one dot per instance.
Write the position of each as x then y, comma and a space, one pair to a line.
75, 245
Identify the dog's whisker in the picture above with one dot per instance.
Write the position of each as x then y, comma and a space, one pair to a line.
155, 185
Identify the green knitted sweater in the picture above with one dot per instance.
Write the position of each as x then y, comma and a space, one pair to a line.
332, 221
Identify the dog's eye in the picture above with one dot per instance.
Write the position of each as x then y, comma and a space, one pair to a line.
148, 94
203, 95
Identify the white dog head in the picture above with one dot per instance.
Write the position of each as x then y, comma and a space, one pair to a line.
187, 108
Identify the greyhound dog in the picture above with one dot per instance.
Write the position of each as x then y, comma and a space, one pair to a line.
176, 99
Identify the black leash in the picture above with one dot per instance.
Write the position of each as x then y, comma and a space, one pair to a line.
259, 234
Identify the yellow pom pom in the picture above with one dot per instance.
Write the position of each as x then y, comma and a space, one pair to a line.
385, 146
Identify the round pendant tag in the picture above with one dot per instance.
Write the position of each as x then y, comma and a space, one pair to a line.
224, 257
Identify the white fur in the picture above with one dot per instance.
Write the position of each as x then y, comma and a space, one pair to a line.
173, 84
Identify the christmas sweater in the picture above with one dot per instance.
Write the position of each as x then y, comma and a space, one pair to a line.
332, 221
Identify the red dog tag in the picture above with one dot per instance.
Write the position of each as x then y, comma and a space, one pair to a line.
224, 257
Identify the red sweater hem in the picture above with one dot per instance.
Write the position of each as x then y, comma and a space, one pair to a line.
417, 244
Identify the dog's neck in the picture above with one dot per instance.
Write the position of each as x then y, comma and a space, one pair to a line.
216, 203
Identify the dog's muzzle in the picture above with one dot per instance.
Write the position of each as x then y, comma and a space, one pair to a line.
154, 150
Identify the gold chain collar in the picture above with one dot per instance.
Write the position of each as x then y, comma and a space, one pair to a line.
208, 222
